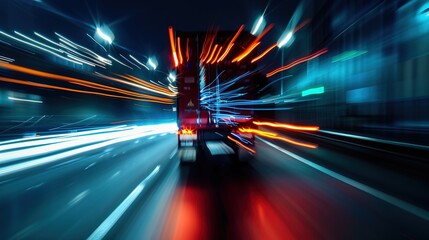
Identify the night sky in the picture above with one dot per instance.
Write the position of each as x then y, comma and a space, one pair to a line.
141, 26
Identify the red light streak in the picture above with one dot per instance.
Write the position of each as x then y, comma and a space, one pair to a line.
296, 62
187, 49
173, 46
301, 25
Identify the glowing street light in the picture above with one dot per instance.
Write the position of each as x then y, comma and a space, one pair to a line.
172, 77
258, 26
152, 62
105, 34
286, 37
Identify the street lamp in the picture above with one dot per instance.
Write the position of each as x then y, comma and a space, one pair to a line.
285, 40
258, 26
153, 63
105, 34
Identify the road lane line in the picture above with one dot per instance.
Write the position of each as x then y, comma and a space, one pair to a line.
376, 140
173, 153
108, 223
422, 213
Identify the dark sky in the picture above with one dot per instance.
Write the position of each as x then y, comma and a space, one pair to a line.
141, 25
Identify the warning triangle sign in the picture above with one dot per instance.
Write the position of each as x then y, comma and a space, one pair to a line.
190, 104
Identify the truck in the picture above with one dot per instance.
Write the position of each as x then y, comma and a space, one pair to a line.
216, 86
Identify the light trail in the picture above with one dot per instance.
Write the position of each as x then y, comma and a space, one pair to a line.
96, 42
87, 83
22, 82
296, 62
179, 50
242, 145
123, 64
231, 43
38, 47
126, 59
276, 137
42, 44
24, 100
135, 59
264, 53
216, 56
213, 52
173, 46
287, 126
253, 45
77, 147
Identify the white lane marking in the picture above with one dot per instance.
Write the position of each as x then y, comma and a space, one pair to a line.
173, 153
376, 139
107, 224
422, 213
79, 197
90, 165
115, 174
219, 148
35, 186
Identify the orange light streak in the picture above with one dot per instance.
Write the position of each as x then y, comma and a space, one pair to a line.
213, 52
287, 126
33, 84
296, 62
246, 52
231, 43
264, 53
252, 45
212, 37
76, 81
173, 46
242, 145
179, 51
226, 52
275, 136
144, 83
217, 55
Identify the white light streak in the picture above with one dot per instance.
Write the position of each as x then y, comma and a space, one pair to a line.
120, 62
3, 58
47, 46
97, 42
38, 47
24, 100
139, 62
129, 61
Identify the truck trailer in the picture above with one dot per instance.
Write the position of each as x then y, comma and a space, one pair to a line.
216, 86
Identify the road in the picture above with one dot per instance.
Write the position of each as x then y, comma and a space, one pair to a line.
136, 189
